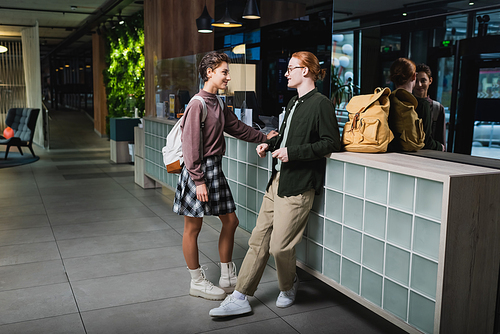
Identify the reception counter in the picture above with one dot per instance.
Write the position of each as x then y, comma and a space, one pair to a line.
415, 240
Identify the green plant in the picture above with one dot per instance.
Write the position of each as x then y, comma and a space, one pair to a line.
125, 72
341, 90
336, 86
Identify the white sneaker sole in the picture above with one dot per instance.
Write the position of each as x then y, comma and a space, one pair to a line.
221, 314
201, 294
285, 305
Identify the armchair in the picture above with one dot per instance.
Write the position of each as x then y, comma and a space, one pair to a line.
23, 122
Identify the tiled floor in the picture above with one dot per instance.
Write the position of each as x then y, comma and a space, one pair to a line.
85, 250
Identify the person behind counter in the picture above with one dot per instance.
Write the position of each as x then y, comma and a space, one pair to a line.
424, 80
309, 132
403, 75
202, 188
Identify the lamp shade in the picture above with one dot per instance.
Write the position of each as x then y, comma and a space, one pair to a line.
204, 22
226, 21
251, 10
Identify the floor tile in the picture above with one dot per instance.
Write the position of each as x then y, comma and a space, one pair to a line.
25, 221
40, 251
158, 200
26, 236
312, 295
133, 288
36, 303
92, 204
90, 189
162, 210
22, 210
97, 266
5, 203
183, 314
31, 274
94, 193
262, 327
341, 320
118, 243
62, 218
113, 227
64, 324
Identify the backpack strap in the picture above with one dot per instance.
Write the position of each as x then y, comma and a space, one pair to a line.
204, 110
203, 118
221, 103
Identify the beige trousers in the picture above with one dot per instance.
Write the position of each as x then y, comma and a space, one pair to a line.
279, 228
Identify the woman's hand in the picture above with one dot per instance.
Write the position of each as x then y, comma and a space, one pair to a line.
262, 149
281, 154
272, 134
202, 193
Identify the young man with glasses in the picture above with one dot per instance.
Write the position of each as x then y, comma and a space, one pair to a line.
309, 132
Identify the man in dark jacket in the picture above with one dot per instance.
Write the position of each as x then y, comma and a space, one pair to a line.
309, 133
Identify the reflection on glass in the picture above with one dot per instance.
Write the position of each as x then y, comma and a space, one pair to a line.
390, 43
493, 27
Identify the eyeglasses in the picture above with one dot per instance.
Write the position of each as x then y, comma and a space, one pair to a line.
290, 69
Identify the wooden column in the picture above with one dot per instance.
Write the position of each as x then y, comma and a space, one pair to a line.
170, 31
98, 65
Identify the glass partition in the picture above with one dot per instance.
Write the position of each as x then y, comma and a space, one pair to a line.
177, 80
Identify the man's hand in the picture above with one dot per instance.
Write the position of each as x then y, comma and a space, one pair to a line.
262, 149
272, 134
281, 154
202, 193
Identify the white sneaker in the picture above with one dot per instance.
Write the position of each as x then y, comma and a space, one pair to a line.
287, 298
200, 286
228, 277
231, 306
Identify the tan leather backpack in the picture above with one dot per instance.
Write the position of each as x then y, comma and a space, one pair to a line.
368, 129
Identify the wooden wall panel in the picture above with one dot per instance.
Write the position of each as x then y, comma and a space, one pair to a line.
170, 31
98, 65
278, 11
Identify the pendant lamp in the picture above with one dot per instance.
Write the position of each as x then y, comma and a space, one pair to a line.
251, 11
226, 21
204, 22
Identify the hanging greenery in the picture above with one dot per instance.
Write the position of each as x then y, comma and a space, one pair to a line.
124, 74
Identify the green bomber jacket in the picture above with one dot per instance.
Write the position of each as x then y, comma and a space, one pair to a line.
313, 134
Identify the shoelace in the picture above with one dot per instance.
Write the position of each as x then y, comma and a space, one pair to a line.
234, 269
203, 268
288, 293
228, 300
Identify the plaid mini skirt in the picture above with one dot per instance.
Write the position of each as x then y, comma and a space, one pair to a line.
220, 199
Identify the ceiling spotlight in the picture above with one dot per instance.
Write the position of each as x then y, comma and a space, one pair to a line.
73, 7
120, 19
405, 14
471, 3
3, 49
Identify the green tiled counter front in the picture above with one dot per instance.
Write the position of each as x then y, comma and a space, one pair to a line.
388, 230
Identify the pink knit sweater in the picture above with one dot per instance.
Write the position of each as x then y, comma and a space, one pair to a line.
216, 123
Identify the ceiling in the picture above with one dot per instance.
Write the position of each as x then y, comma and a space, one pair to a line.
65, 26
